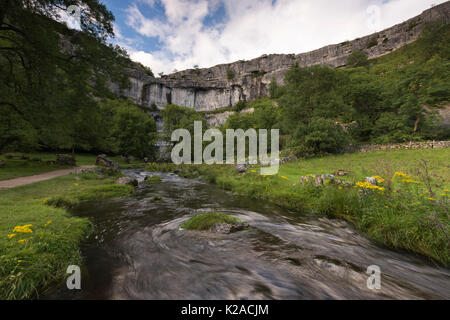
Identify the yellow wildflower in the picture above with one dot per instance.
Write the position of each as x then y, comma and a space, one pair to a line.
254, 171
19, 261
400, 174
430, 199
283, 177
340, 188
379, 179
12, 235
76, 184
47, 223
23, 229
22, 241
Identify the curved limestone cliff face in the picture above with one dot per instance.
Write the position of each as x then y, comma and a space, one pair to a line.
224, 85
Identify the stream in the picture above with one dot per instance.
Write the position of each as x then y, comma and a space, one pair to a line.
137, 251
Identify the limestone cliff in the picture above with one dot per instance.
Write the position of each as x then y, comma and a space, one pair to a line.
224, 85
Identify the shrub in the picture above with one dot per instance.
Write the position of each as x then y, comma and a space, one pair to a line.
240, 105
230, 74
358, 58
372, 42
318, 136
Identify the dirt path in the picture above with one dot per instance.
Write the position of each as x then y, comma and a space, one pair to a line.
16, 182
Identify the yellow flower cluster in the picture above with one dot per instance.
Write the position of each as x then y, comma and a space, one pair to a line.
401, 174
408, 180
23, 229
367, 185
12, 235
283, 177
47, 223
379, 179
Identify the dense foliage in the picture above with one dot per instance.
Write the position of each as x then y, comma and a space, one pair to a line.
394, 98
51, 78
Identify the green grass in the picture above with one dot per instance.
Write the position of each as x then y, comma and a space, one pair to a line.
405, 215
153, 179
22, 168
29, 268
204, 221
361, 165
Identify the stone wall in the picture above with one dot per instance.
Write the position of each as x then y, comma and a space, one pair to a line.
405, 145
210, 88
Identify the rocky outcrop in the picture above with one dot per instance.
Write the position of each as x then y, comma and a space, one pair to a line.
102, 160
224, 85
227, 228
127, 180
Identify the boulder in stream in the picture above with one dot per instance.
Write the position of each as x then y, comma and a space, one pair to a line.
228, 227
127, 180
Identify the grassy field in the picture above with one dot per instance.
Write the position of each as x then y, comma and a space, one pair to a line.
38, 237
409, 209
20, 168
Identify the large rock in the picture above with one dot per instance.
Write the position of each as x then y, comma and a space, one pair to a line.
127, 180
65, 160
102, 160
228, 227
241, 168
212, 88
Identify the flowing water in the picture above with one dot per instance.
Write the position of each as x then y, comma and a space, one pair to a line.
138, 251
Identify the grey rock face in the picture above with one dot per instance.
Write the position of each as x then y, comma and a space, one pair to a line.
210, 89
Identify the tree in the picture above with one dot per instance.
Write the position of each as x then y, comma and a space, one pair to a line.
357, 58
127, 130
49, 74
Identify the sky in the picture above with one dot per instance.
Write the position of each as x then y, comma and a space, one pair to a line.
169, 35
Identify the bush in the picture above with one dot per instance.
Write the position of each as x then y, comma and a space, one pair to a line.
372, 42
318, 136
128, 130
358, 58
230, 74
240, 105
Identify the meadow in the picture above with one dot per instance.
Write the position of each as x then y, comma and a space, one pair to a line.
38, 236
408, 209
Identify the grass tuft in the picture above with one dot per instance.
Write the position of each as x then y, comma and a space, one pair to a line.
204, 221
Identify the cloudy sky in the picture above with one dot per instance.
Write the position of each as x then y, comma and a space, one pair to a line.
177, 34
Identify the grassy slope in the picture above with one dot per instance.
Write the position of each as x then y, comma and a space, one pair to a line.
21, 168
28, 268
406, 217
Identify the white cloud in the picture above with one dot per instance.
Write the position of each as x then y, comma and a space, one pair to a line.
256, 27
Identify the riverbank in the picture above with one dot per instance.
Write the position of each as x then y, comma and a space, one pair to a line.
38, 237
38, 163
409, 209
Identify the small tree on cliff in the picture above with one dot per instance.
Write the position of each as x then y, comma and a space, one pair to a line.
358, 58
